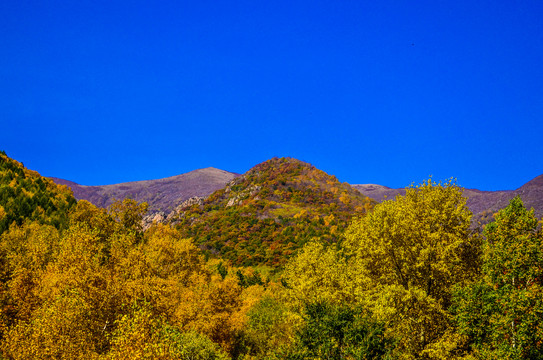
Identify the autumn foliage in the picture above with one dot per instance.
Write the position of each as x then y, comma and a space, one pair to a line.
266, 215
405, 279
25, 195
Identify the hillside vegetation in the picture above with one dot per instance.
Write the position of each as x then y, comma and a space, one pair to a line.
25, 195
406, 279
265, 215
483, 204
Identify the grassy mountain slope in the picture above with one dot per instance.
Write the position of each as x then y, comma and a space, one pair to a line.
24, 194
263, 216
161, 195
378, 192
532, 194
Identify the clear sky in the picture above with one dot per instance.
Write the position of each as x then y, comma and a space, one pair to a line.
386, 92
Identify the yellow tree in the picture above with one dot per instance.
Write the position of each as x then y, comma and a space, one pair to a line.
129, 214
95, 218
158, 268
320, 273
170, 273
76, 304
140, 334
60, 329
412, 250
25, 251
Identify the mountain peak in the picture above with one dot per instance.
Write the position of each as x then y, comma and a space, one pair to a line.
161, 194
292, 181
535, 183
264, 215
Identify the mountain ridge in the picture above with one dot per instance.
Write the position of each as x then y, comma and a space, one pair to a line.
482, 203
165, 194
161, 194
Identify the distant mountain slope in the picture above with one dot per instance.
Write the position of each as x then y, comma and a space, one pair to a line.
482, 203
263, 216
164, 195
25, 194
378, 192
532, 194
161, 195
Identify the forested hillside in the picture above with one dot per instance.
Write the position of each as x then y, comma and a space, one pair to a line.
25, 195
265, 215
408, 278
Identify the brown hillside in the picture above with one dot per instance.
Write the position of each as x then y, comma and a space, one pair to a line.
161, 195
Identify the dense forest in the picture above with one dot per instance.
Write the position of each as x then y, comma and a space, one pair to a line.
408, 278
25, 195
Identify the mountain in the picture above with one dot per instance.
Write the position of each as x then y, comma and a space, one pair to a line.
25, 194
483, 204
263, 216
161, 195
164, 195
532, 194
378, 193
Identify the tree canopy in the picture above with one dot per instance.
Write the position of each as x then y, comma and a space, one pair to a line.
400, 262
407, 279
502, 313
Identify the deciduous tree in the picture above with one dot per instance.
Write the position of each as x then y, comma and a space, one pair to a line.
503, 313
413, 250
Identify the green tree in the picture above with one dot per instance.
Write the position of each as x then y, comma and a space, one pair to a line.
412, 250
140, 334
269, 330
339, 332
503, 312
25, 195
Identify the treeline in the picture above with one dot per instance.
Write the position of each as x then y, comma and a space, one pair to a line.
410, 279
440, 289
101, 288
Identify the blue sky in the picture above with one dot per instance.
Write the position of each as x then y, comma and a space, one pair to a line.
386, 92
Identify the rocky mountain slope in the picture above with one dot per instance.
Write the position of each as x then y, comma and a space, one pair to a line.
378, 192
482, 203
161, 195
